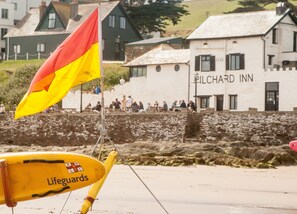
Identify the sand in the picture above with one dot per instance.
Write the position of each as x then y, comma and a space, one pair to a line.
181, 190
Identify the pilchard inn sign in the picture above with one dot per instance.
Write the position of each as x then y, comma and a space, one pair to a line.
227, 78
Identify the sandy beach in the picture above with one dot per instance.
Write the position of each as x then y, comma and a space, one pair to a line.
181, 190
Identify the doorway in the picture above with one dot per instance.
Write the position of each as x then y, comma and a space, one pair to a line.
271, 96
219, 102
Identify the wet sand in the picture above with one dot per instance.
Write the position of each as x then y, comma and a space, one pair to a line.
181, 190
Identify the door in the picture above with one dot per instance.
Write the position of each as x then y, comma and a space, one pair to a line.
271, 96
220, 102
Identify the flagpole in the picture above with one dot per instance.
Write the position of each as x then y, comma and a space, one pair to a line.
101, 70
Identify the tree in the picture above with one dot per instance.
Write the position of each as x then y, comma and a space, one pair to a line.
256, 5
155, 16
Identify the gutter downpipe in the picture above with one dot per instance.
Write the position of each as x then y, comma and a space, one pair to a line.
7, 57
188, 64
264, 51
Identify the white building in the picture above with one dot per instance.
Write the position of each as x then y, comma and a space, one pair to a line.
246, 60
21, 7
237, 62
11, 11
6, 21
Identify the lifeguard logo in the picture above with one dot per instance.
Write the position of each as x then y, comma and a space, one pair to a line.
73, 167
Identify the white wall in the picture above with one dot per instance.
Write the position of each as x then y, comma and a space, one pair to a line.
167, 85
24, 5
6, 23
250, 93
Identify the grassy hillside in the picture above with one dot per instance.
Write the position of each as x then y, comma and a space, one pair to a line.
199, 10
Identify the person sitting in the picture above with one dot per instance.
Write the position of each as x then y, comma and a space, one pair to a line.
183, 104
140, 106
134, 107
88, 108
117, 105
191, 106
174, 106
97, 108
156, 106
165, 106
148, 107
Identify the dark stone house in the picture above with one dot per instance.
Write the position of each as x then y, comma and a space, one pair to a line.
39, 33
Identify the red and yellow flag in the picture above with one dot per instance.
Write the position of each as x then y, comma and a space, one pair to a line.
75, 61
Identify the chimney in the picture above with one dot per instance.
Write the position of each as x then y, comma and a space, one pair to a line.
281, 8
73, 8
42, 9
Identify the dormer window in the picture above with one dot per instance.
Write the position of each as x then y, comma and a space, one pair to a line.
274, 36
52, 20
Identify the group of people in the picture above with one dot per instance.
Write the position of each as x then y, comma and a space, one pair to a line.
128, 104
177, 106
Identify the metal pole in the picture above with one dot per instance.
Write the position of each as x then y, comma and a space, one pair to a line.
188, 81
102, 131
195, 79
81, 91
8, 49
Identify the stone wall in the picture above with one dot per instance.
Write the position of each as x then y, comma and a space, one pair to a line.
83, 129
252, 128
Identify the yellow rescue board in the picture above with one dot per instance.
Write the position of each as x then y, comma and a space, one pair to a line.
33, 175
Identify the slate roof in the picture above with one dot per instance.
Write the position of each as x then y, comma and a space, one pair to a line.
237, 25
63, 11
161, 55
152, 41
27, 26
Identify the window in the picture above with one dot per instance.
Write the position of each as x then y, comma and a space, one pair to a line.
295, 41
40, 47
138, 71
52, 20
15, 6
17, 49
122, 22
204, 102
3, 32
205, 63
111, 22
270, 59
274, 36
4, 14
233, 102
176, 67
235, 62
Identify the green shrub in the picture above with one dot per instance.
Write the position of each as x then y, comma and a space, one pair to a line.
15, 80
